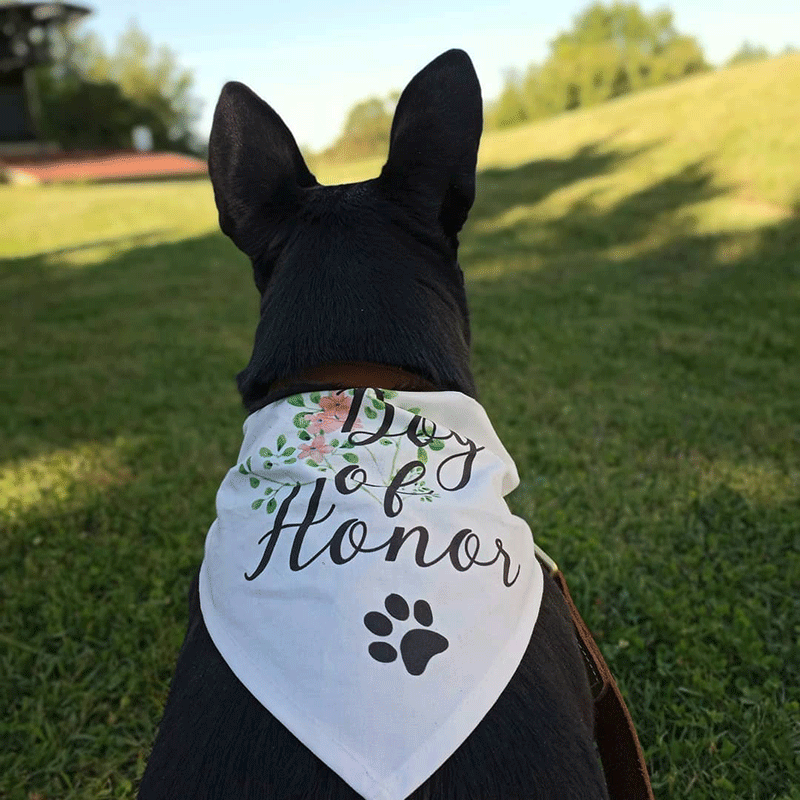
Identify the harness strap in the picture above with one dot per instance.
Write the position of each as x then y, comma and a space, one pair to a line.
620, 751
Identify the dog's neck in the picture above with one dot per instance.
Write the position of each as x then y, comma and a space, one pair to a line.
348, 375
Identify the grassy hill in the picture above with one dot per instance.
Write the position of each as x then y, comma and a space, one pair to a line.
634, 277
740, 120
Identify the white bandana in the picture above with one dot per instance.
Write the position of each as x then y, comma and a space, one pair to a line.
365, 579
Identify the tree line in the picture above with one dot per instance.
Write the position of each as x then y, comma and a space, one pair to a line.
610, 51
94, 97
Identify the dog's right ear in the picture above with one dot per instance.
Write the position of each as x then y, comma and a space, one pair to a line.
256, 168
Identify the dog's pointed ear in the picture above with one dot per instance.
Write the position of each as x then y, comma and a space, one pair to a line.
256, 168
433, 149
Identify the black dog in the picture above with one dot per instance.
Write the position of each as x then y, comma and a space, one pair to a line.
364, 274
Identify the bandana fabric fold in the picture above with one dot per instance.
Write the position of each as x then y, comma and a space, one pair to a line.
365, 579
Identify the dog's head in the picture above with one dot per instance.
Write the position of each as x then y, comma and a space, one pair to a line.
360, 272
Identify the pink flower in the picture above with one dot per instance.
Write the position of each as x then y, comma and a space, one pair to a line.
319, 422
315, 449
335, 407
337, 403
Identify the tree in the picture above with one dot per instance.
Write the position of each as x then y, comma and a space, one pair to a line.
608, 52
95, 98
748, 52
151, 77
509, 108
366, 130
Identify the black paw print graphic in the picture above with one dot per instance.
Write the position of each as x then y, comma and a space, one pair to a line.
417, 647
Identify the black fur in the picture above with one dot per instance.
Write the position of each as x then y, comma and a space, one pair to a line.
365, 272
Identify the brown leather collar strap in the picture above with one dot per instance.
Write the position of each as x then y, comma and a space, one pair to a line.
355, 374
620, 751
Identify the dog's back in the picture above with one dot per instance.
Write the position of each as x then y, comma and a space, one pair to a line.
364, 273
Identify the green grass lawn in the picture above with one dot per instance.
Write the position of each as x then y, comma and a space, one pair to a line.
634, 276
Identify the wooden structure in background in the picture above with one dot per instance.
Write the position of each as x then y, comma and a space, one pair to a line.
29, 37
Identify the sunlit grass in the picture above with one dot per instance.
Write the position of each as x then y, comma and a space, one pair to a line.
55, 481
758, 483
737, 120
101, 219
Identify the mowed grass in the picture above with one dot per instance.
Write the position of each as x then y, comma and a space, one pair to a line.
634, 276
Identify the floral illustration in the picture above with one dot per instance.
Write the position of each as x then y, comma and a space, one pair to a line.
316, 450
335, 409
326, 415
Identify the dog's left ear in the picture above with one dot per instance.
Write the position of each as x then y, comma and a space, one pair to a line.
433, 149
256, 168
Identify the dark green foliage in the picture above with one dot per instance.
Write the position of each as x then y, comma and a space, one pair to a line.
70, 115
94, 99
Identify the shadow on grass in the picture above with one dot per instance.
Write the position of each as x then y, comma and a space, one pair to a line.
109, 349
501, 189
699, 330
650, 400
657, 209
142, 236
